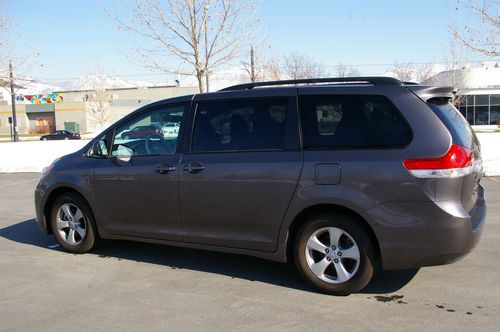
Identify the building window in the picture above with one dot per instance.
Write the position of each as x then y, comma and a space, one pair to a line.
481, 115
469, 100
482, 100
495, 115
463, 110
495, 100
470, 114
480, 109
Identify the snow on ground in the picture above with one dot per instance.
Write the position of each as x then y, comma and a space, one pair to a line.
490, 151
35, 155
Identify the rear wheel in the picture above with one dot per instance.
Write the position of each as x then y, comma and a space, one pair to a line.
73, 224
334, 254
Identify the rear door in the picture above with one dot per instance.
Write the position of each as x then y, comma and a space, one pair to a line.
241, 169
463, 135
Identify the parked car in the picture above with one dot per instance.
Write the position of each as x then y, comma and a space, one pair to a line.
341, 176
171, 129
60, 134
143, 132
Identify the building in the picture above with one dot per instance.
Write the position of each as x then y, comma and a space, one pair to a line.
478, 92
80, 109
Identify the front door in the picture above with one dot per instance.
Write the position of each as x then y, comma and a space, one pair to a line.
240, 172
136, 187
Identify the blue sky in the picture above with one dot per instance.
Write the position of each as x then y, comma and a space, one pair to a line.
72, 36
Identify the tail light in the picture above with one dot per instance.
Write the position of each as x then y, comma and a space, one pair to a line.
457, 162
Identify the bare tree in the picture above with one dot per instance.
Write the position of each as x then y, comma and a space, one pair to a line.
22, 62
297, 65
271, 70
202, 34
266, 67
425, 74
455, 70
403, 71
98, 100
346, 71
409, 72
4, 44
482, 35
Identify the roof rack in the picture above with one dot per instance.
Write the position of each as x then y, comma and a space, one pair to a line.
346, 80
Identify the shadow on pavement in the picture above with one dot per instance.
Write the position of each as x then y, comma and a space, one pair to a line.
235, 266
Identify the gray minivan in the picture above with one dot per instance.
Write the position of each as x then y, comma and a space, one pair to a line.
339, 175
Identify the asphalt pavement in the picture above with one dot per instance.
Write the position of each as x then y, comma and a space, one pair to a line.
133, 286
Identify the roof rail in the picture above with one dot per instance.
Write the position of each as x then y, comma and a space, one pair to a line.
346, 80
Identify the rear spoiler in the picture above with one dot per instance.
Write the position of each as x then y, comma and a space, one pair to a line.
425, 92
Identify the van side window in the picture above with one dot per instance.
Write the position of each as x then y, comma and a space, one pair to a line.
352, 121
151, 133
243, 125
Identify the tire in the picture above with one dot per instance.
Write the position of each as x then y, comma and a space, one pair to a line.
81, 225
66, 138
44, 139
355, 272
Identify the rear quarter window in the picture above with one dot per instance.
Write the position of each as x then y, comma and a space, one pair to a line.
460, 130
352, 121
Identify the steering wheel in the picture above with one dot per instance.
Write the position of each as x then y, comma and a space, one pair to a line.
163, 146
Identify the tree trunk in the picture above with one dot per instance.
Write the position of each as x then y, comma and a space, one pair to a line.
200, 76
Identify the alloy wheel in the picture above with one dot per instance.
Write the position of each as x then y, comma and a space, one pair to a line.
332, 255
71, 224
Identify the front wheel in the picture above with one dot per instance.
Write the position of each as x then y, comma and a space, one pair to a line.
73, 224
334, 254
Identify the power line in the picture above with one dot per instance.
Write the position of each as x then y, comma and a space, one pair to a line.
256, 67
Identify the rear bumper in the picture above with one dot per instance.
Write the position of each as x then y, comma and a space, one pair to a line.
416, 234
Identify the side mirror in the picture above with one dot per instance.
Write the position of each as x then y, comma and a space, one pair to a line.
96, 150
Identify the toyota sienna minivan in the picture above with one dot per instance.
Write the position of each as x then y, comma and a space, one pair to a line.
341, 176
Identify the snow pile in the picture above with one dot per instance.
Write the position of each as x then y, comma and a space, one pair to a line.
34, 156
490, 151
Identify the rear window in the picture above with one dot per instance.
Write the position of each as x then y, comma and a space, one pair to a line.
457, 125
352, 121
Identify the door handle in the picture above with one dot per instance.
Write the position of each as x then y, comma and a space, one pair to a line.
194, 167
164, 168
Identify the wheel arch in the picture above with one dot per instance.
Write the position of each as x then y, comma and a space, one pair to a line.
318, 209
54, 194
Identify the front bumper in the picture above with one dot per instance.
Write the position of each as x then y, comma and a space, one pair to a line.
416, 234
39, 209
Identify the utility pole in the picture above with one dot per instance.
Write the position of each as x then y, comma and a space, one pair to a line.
252, 64
13, 98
